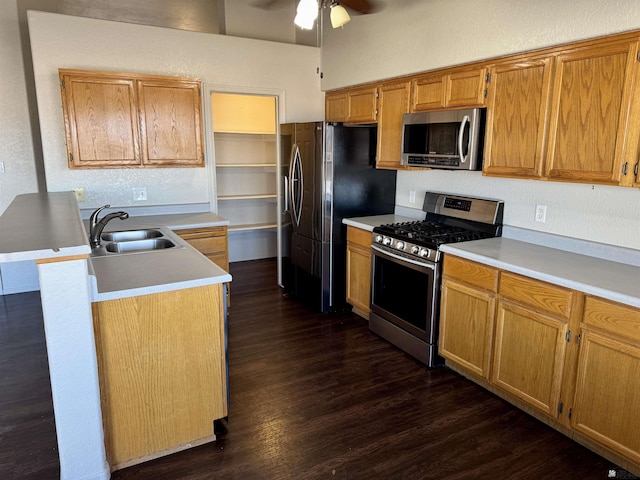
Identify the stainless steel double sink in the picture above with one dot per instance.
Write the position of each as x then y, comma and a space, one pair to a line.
134, 241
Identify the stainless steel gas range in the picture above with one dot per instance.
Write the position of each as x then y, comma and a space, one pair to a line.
406, 267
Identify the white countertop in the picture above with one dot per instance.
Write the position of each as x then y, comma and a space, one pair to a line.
48, 226
368, 223
176, 221
143, 273
37, 226
604, 278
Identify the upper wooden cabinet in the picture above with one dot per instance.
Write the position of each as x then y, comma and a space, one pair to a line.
568, 113
592, 95
355, 105
392, 105
120, 120
335, 106
517, 113
456, 89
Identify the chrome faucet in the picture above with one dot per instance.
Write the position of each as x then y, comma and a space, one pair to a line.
96, 227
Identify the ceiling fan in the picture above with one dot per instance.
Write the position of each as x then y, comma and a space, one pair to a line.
307, 10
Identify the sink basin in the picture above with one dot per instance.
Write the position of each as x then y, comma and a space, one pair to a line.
128, 235
139, 245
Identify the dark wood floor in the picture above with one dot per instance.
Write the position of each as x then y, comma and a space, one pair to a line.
28, 447
312, 396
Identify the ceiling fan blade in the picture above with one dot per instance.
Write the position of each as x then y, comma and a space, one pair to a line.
361, 6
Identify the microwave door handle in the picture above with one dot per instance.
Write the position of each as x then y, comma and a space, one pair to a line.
465, 120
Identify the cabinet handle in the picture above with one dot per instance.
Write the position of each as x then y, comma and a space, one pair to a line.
568, 336
625, 167
635, 169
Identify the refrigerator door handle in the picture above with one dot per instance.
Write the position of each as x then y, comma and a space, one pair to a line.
295, 185
285, 203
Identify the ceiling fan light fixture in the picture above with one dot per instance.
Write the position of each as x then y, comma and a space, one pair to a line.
339, 15
306, 14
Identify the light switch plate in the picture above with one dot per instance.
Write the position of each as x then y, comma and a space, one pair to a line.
80, 195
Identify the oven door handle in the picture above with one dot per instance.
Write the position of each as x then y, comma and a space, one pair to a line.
429, 265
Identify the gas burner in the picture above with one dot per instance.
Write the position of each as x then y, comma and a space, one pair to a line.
445, 223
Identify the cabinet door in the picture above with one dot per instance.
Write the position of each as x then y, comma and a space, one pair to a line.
170, 123
362, 105
359, 271
335, 105
428, 93
590, 112
528, 359
517, 114
608, 393
393, 104
466, 326
466, 88
100, 119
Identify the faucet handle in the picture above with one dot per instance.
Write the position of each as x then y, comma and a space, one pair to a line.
93, 219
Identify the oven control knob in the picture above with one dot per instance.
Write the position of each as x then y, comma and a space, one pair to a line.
378, 239
400, 245
386, 241
415, 250
424, 252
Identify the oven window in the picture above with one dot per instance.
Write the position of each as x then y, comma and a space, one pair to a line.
403, 290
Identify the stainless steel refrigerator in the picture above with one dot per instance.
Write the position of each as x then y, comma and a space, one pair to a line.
328, 173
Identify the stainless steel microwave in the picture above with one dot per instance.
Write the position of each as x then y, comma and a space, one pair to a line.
450, 139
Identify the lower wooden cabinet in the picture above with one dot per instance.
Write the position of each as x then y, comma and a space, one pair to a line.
467, 314
359, 270
529, 352
605, 406
162, 372
569, 359
211, 242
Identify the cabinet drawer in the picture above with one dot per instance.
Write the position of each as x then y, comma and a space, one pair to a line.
209, 245
538, 294
359, 236
191, 233
612, 317
471, 272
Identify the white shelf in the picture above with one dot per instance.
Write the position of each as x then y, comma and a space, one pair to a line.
249, 227
245, 165
257, 196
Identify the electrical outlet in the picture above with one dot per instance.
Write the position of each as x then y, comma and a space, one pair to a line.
139, 194
80, 195
541, 213
412, 196
1, 167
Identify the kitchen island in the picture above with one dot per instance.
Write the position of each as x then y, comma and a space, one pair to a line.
47, 228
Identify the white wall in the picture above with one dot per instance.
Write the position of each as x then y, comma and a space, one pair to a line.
413, 36
216, 59
408, 36
16, 146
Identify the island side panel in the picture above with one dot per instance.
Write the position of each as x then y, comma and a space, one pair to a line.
161, 366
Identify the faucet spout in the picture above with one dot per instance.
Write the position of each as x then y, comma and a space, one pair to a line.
96, 229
